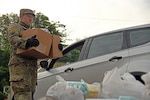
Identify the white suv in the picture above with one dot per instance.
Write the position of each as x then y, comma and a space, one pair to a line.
90, 58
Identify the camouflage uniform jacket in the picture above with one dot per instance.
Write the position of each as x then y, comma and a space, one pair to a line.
16, 41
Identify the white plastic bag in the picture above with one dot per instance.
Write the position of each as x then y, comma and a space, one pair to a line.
146, 92
72, 93
62, 91
55, 91
113, 85
94, 90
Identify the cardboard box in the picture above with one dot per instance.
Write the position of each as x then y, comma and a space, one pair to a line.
55, 52
44, 49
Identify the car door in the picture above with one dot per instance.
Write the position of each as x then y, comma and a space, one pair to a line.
103, 53
139, 51
64, 66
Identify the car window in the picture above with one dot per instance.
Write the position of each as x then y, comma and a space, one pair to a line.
70, 57
140, 36
105, 44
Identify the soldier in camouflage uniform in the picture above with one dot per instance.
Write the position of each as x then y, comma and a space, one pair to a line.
23, 70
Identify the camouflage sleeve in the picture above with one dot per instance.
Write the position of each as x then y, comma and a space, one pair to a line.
15, 38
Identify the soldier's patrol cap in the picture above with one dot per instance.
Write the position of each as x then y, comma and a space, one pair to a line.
26, 11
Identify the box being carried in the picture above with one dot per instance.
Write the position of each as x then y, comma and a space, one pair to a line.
48, 47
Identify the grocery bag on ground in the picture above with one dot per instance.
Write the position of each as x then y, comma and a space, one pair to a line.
62, 91
80, 85
146, 92
115, 85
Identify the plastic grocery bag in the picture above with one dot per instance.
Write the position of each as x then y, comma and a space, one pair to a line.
115, 85
94, 90
80, 85
72, 93
62, 91
146, 92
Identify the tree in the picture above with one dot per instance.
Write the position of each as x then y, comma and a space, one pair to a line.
4, 73
40, 21
5, 20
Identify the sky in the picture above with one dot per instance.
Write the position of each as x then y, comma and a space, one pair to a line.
84, 18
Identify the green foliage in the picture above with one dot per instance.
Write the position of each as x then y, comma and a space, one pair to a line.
71, 56
4, 73
2, 96
42, 21
4, 57
4, 77
4, 80
5, 20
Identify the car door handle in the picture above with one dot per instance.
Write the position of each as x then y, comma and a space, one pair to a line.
115, 58
68, 70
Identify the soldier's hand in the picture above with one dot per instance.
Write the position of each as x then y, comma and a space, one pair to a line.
32, 42
44, 64
60, 46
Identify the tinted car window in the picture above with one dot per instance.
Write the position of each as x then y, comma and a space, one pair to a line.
138, 37
106, 44
71, 56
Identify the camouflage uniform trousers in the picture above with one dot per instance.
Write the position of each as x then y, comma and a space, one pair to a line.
23, 78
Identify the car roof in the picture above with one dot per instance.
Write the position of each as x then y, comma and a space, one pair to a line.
134, 27
117, 30
124, 29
